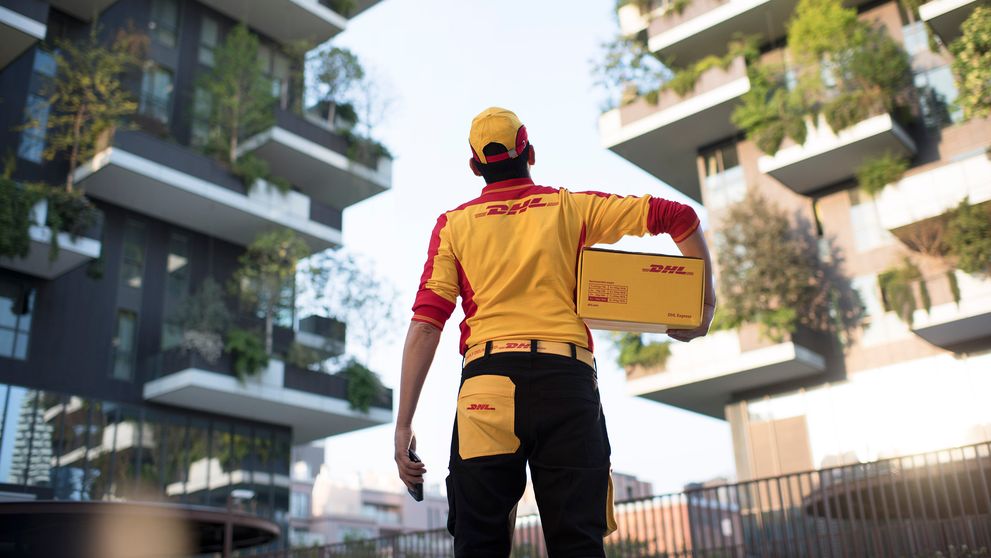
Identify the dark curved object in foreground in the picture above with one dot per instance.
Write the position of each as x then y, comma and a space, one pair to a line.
62, 529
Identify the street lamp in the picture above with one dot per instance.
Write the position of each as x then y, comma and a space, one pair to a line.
240, 496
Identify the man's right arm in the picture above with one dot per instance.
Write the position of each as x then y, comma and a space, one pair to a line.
418, 353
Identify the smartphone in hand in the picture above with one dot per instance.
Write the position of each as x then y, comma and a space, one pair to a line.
417, 491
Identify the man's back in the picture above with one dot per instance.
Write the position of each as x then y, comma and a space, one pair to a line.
511, 254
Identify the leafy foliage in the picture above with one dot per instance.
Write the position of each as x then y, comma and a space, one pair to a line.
338, 76
769, 111
305, 357
969, 237
627, 70
69, 211
877, 172
972, 63
770, 274
248, 352
15, 218
634, 352
898, 291
241, 97
343, 7
204, 317
265, 280
364, 386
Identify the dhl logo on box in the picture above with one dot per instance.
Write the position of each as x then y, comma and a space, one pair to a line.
629, 291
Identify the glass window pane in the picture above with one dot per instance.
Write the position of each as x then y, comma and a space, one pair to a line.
198, 463
21, 346
209, 37
156, 93
124, 345
173, 440
6, 342
132, 267
164, 21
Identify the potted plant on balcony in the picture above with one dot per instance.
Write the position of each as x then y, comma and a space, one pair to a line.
972, 63
968, 237
204, 318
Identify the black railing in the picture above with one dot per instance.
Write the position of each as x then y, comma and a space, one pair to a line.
326, 215
912, 507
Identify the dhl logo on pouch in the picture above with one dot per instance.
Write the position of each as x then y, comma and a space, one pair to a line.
480, 407
514, 209
669, 269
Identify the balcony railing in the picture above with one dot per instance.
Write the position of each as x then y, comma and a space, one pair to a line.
178, 185
72, 253
305, 151
906, 506
959, 310
946, 16
828, 157
325, 335
702, 376
22, 23
313, 403
663, 138
931, 193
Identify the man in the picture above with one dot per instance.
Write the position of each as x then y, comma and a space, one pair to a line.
528, 388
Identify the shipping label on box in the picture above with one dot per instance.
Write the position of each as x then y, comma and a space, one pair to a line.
630, 291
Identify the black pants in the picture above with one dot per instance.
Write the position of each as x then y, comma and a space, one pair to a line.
515, 408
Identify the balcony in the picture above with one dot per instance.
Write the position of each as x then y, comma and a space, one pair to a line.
324, 335
702, 376
72, 252
308, 154
926, 195
22, 23
705, 27
663, 139
85, 10
952, 320
946, 16
827, 158
313, 404
176, 184
286, 21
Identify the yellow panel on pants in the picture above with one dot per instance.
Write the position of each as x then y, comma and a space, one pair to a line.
610, 511
486, 415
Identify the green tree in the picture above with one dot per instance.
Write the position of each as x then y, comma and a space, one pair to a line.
634, 352
87, 97
204, 318
969, 237
337, 75
241, 100
627, 69
770, 273
266, 279
972, 63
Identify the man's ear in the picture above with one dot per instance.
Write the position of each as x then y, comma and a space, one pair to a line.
474, 166
532, 157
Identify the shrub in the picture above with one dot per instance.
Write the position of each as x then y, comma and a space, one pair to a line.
15, 218
247, 348
364, 386
969, 237
634, 352
972, 63
897, 290
877, 172
69, 211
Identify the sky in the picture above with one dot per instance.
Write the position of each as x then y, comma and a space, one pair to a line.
441, 62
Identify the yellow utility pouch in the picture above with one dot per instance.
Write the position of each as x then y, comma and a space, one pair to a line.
486, 416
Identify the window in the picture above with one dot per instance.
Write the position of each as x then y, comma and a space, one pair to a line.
868, 233
164, 21
937, 96
724, 181
16, 306
132, 266
32, 143
176, 288
275, 66
915, 38
299, 504
202, 106
209, 39
124, 344
156, 93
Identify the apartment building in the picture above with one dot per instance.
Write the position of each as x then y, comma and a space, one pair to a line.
99, 398
897, 385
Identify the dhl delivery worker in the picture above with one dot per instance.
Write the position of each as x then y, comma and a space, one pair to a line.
529, 392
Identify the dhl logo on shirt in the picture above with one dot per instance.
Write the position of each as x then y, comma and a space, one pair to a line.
514, 209
670, 269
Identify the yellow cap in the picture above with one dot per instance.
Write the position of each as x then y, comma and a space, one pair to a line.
497, 125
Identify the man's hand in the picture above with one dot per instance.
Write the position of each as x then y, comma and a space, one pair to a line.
687, 335
411, 473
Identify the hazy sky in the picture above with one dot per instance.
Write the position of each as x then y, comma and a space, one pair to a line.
444, 61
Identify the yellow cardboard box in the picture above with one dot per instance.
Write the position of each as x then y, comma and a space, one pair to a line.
629, 291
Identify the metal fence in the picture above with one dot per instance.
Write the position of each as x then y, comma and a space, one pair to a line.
915, 506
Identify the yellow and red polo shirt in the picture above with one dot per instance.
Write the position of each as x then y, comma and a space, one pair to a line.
511, 254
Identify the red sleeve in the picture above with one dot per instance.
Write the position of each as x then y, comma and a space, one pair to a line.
677, 219
435, 300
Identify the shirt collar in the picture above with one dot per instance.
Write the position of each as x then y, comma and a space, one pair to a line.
504, 185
